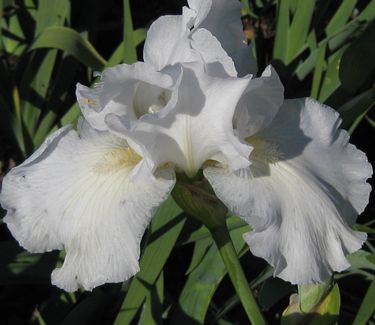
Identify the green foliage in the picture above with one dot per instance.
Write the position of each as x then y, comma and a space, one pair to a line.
323, 49
315, 304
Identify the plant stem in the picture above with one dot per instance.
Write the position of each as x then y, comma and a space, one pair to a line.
228, 253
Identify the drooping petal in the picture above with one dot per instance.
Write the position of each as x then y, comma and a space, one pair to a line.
75, 193
304, 189
117, 92
259, 104
195, 126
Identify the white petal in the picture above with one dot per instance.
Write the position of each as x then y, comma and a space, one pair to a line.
303, 191
76, 194
117, 92
259, 104
197, 125
223, 19
167, 43
218, 63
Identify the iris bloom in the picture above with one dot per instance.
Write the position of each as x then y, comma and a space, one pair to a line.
283, 166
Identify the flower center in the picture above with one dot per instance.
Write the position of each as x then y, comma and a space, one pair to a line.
116, 159
264, 150
150, 99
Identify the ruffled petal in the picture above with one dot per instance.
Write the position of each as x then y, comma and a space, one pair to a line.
259, 104
304, 189
75, 193
197, 126
117, 92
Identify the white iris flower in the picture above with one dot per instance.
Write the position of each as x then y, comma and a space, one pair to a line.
283, 166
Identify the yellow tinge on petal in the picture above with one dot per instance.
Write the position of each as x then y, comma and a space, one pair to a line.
90, 102
116, 159
264, 150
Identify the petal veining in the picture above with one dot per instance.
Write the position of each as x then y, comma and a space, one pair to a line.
76, 194
302, 193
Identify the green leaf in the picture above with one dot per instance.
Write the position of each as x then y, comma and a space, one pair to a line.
17, 28
68, 40
325, 311
341, 16
282, 31
72, 115
130, 50
361, 260
356, 107
368, 13
200, 249
234, 300
34, 88
51, 13
233, 222
331, 81
318, 72
367, 309
364, 228
152, 308
357, 63
117, 56
357, 121
310, 295
299, 28
165, 229
59, 100
20, 267
203, 282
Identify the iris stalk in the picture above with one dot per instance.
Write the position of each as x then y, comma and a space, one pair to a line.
228, 254
206, 208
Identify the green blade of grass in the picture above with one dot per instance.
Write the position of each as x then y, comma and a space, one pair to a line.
318, 72
72, 43
130, 50
34, 88
356, 107
367, 308
299, 28
139, 35
51, 13
200, 250
331, 81
165, 229
282, 31
203, 282
59, 98
152, 308
341, 16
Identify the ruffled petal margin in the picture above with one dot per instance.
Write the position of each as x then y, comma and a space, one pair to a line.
302, 193
75, 193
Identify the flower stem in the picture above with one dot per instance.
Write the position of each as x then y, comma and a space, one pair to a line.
228, 253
